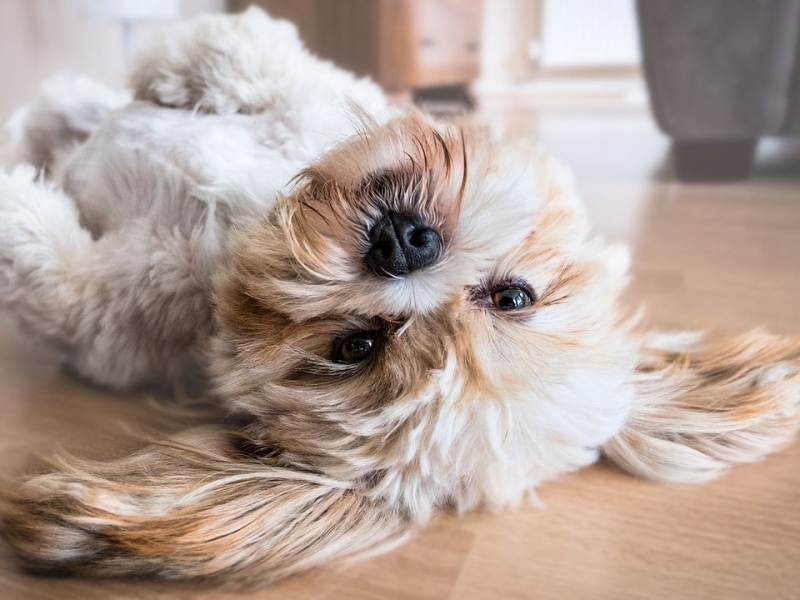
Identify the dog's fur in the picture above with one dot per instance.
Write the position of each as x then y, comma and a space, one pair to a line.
170, 241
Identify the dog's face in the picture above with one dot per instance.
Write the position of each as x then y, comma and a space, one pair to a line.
426, 313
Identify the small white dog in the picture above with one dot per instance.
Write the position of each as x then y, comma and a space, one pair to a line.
408, 314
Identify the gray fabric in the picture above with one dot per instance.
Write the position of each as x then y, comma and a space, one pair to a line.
792, 126
720, 69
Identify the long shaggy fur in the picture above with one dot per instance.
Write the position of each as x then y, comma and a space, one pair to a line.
215, 231
702, 408
192, 506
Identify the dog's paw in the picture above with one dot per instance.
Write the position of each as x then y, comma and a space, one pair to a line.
220, 64
17, 192
39, 228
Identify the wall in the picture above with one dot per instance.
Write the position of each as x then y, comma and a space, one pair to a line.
42, 37
509, 27
528, 40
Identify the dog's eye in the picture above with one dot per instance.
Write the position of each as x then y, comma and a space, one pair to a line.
356, 347
511, 298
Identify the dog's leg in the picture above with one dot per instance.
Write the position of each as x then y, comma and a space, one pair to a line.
194, 506
248, 63
40, 243
66, 112
128, 309
700, 410
219, 63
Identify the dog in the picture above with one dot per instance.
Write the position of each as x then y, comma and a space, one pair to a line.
405, 315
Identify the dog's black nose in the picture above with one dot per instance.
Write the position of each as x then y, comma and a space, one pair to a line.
402, 243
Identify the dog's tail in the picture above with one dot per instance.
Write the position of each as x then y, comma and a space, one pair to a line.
67, 111
701, 409
197, 506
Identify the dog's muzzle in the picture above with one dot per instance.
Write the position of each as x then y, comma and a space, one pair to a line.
402, 243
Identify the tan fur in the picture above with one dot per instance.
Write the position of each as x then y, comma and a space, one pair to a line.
191, 507
701, 410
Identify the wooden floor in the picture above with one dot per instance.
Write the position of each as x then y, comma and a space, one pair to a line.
723, 257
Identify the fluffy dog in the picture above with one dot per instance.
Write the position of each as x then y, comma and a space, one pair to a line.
420, 320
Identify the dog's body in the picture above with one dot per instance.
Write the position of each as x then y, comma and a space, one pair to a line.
157, 189
421, 321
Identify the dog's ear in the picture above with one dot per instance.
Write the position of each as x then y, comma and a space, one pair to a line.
196, 506
699, 410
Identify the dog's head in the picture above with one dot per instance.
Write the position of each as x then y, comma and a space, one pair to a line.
426, 311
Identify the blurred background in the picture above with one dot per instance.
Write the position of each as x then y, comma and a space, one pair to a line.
668, 111
497, 47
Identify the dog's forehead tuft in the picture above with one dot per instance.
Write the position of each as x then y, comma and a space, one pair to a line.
411, 142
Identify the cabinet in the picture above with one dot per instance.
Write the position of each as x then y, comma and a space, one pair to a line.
404, 45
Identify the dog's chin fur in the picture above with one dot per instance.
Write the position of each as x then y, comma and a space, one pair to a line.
461, 405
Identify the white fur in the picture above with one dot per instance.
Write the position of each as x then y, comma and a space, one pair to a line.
159, 188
